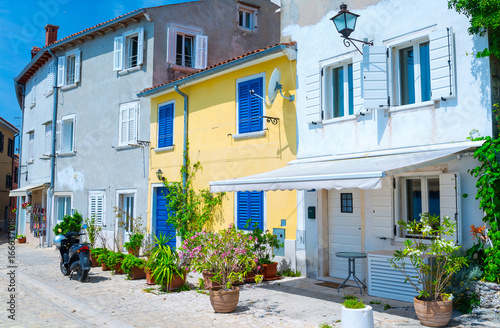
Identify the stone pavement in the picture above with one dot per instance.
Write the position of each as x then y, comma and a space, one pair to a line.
45, 298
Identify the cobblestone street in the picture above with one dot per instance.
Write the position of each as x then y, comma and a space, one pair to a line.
44, 297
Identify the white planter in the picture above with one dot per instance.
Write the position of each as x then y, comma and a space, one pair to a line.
356, 318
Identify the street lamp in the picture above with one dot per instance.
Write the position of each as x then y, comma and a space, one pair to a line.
159, 175
345, 22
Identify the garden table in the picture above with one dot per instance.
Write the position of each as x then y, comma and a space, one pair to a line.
352, 256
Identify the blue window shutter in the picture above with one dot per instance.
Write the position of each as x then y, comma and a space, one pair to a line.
250, 106
256, 209
250, 207
242, 209
165, 126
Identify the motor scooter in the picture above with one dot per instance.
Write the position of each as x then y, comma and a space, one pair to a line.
75, 256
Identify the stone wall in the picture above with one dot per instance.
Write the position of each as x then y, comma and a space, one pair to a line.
489, 295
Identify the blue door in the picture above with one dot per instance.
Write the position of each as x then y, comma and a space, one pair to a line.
161, 214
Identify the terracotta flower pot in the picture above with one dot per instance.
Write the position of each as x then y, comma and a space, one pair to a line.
176, 282
105, 267
134, 251
94, 261
207, 276
21, 240
250, 277
136, 273
224, 301
118, 268
270, 270
433, 313
149, 278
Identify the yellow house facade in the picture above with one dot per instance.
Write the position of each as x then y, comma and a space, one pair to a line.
234, 130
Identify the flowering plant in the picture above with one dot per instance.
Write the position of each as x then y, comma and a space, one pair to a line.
227, 253
27, 204
477, 252
434, 257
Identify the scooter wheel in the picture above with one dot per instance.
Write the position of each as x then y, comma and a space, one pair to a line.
65, 271
81, 275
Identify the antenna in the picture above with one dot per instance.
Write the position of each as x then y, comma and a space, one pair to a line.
275, 86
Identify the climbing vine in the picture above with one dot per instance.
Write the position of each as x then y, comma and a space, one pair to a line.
191, 210
488, 193
484, 17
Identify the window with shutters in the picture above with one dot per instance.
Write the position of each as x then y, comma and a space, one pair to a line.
338, 91
250, 106
63, 206
31, 147
68, 69
128, 124
165, 126
186, 47
2, 137
49, 81
8, 181
250, 210
66, 129
48, 139
97, 210
34, 82
129, 51
10, 149
247, 16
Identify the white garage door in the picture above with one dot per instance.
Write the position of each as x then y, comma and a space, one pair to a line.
344, 231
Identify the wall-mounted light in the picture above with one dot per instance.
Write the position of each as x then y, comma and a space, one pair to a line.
345, 22
159, 175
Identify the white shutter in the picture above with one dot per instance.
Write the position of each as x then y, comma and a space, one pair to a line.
61, 71
118, 54
357, 73
33, 91
96, 207
450, 201
201, 51
375, 77
171, 45
442, 62
131, 138
78, 58
58, 136
313, 108
140, 46
124, 117
50, 79
48, 138
383, 226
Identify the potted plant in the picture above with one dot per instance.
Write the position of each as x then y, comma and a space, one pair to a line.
355, 313
229, 254
94, 255
134, 244
435, 259
102, 257
133, 267
264, 246
165, 265
135, 229
69, 223
21, 239
93, 231
114, 262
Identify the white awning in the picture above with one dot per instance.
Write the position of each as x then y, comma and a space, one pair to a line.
20, 192
361, 172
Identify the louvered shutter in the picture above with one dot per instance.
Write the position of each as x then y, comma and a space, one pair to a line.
132, 125
140, 46
171, 45
118, 54
375, 77
357, 73
96, 207
50, 79
313, 108
242, 209
165, 126
124, 117
256, 105
250, 209
58, 136
61, 71
201, 52
442, 62
1, 142
33, 91
256, 209
450, 201
78, 59
48, 138
244, 107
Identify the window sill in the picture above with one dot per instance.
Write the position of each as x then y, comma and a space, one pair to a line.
32, 105
164, 149
70, 153
339, 119
130, 70
184, 69
249, 135
124, 147
423, 105
252, 30
30, 161
48, 94
69, 86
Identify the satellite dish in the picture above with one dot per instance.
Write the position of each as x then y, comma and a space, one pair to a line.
274, 85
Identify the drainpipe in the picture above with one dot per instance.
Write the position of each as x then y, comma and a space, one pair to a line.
184, 176
18, 202
53, 155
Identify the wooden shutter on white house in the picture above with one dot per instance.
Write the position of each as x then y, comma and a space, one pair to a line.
201, 51
78, 59
383, 226
58, 137
96, 207
450, 201
375, 77
33, 91
171, 34
49, 88
118, 54
442, 62
357, 73
140, 46
313, 100
61, 71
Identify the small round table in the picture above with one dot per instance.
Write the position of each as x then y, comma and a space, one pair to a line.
352, 256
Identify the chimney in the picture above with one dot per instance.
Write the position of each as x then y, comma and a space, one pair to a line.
34, 51
50, 34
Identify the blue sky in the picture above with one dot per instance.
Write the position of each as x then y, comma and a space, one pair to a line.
21, 27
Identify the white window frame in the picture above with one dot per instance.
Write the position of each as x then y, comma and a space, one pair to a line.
62, 136
122, 49
253, 13
97, 193
255, 134
129, 106
34, 82
124, 192
200, 44
48, 138
62, 70
56, 207
31, 146
327, 67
